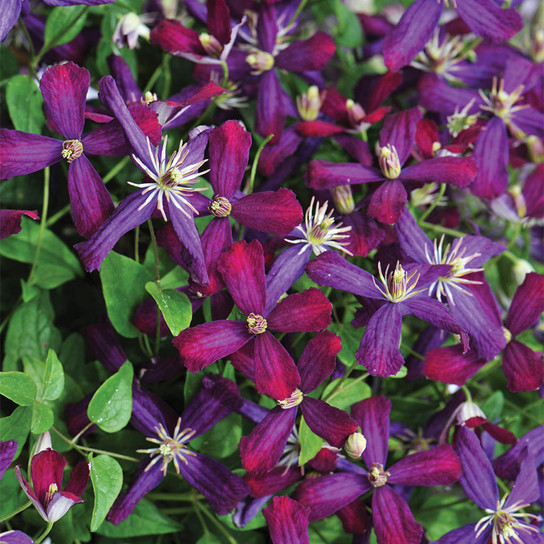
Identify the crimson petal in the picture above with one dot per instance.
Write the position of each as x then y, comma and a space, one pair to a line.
459, 171
523, 367
450, 365
303, 55
287, 521
318, 360
527, 304
399, 130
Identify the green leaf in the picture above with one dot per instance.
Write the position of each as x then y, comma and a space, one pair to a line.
42, 418
53, 377
107, 479
350, 392
123, 285
54, 252
25, 104
493, 406
111, 406
31, 331
175, 278
29, 291
16, 427
310, 443
18, 387
146, 519
49, 276
348, 32
351, 340
222, 439
175, 307
63, 25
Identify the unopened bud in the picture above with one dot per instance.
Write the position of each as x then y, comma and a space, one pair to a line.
211, 45
309, 103
260, 61
520, 269
355, 445
343, 199
467, 411
43, 443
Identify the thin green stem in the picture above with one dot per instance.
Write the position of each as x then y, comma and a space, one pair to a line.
184, 497
29, 41
435, 203
80, 433
441, 229
467, 393
15, 512
45, 533
337, 388
217, 524
225, 73
256, 162
136, 244
55, 217
117, 168
167, 76
153, 79
45, 207
297, 13
158, 282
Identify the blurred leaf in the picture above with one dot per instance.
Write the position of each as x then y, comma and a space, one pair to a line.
347, 394
123, 285
42, 418
145, 520
107, 480
310, 443
16, 427
29, 291
64, 24
222, 439
493, 406
175, 307
13, 496
18, 387
348, 32
31, 331
25, 104
111, 405
54, 252
53, 377
351, 340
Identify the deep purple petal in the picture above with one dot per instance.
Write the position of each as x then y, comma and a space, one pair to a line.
267, 27
325, 495
229, 153
90, 200
22, 153
525, 489
399, 130
204, 344
435, 94
268, 483
411, 34
275, 372
271, 212
303, 55
527, 304
330, 423
523, 367
10, 221
29, 492
10, 13
46, 469
270, 111
450, 365
333, 270
79, 478
64, 88
323, 174
126, 217
486, 19
465, 535
379, 352
387, 202
301, 312
478, 479
242, 268
215, 481
459, 171
439, 466
365, 234
7, 453
15, 537
394, 523
318, 360
434, 312
372, 414
262, 449
412, 239
287, 521
218, 20
491, 154
149, 411
142, 483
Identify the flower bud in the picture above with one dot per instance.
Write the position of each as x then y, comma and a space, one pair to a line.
389, 161
343, 199
355, 445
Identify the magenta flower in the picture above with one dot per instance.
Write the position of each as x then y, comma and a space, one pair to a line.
287, 521
10, 221
46, 492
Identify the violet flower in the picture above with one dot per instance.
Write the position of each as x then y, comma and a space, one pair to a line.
287, 521
504, 522
396, 141
393, 521
262, 449
8, 449
46, 494
242, 268
401, 292
484, 17
167, 188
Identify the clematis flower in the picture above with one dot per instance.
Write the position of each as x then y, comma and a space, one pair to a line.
396, 142
287, 521
46, 492
504, 522
242, 269
401, 292
393, 521
15, 537
10, 221
7, 453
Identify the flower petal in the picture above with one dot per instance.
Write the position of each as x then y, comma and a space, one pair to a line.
399, 130
268, 483
303, 55
318, 360
527, 304
204, 344
323, 174
175, 38
450, 365
46, 469
79, 478
287, 521
459, 171
270, 110
523, 367
60, 504
10, 221
64, 88
387, 202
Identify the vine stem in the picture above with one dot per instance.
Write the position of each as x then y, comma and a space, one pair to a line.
158, 282
15, 512
45, 533
435, 203
256, 162
45, 208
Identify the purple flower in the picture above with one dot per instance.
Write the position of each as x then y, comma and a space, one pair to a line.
401, 292
504, 522
46, 495
287, 521
7, 453
10, 221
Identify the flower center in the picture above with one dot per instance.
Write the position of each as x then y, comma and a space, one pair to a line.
377, 476
71, 150
501, 103
461, 120
220, 206
171, 448
356, 115
389, 161
320, 231
309, 103
398, 286
53, 488
260, 61
211, 45
290, 402
256, 324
